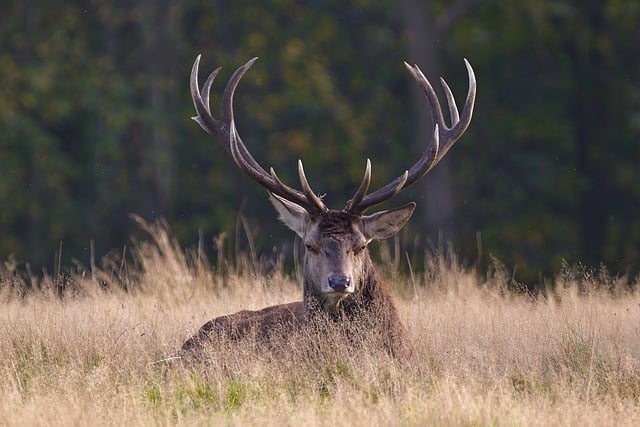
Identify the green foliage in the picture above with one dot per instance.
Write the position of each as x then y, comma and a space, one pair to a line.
556, 170
94, 122
153, 393
235, 395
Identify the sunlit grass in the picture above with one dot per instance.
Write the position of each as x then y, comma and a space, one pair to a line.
102, 353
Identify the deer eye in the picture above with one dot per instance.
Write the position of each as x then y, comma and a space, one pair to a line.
314, 249
359, 248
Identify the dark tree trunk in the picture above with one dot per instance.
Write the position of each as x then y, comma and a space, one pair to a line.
591, 120
158, 47
435, 204
424, 32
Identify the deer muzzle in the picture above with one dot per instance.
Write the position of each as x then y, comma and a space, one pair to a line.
340, 284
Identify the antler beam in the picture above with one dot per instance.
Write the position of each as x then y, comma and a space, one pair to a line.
225, 131
443, 139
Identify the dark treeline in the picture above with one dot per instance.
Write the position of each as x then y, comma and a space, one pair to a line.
95, 107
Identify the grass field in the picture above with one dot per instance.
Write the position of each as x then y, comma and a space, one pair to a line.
484, 355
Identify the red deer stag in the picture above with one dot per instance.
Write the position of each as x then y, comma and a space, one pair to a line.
340, 282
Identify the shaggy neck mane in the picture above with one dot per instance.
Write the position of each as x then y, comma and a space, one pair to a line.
371, 303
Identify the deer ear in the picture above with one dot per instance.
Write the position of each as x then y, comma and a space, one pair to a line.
292, 215
382, 225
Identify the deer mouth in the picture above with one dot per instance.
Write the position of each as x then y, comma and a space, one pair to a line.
338, 288
337, 295
333, 297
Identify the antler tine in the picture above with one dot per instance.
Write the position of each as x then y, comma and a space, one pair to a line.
362, 190
228, 116
443, 137
451, 102
226, 133
467, 110
427, 89
317, 203
215, 127
206, 89
203, 118
449, 135
271, 182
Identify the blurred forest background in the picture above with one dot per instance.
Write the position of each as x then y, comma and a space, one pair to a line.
95, 123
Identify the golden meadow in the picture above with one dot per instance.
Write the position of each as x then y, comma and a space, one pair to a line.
485, 355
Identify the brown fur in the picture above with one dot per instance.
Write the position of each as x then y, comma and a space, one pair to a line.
263, 324
367, 310
371, 303
336, 223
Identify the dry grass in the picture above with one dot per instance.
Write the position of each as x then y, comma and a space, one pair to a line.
484, 356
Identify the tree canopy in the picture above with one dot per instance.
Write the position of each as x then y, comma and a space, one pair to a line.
94, 121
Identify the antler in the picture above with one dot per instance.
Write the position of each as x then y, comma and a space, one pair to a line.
227, 135
443, 139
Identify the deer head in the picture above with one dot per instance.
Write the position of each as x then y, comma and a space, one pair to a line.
337, 266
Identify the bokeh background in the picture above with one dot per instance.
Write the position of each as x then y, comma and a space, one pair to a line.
95, 107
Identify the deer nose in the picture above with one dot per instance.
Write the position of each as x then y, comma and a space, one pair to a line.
339, 283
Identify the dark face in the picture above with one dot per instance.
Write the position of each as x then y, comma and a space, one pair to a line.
336, 257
